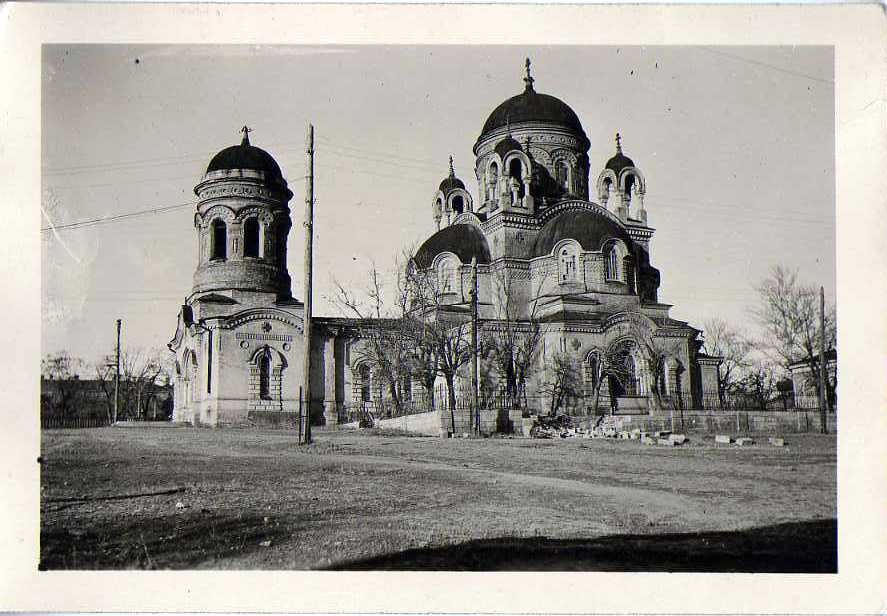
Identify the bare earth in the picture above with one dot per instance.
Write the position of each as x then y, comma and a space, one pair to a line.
186, 498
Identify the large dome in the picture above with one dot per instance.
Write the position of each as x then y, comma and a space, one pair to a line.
588, 227
463, 240
531, 106
246, 156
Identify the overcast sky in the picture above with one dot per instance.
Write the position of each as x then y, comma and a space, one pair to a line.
737, 145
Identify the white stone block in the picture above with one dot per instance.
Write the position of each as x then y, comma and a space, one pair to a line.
723, 438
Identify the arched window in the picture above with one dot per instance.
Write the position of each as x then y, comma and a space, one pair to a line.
614, 263
251, 237
446, 276
265, 376
458, 204
365, 384
567, 264
219, 240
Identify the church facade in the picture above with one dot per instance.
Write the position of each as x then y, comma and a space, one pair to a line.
551, 247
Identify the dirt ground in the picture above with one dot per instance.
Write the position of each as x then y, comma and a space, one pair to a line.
188, 498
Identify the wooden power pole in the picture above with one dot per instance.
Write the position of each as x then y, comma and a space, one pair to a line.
117, 377
305, 407
823, 411
474, 380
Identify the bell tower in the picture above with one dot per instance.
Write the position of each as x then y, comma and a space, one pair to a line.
242, 222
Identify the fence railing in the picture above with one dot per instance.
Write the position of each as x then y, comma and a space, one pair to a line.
73, 422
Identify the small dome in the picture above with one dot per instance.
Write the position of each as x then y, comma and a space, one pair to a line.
590, 228
620, 161
451, 182
246, 156
465, 241
507, 145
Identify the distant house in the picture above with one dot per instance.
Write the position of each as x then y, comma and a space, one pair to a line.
805, 384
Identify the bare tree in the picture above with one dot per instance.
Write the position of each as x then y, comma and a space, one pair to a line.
64, 395
380, 326
436, 330
789, 315
511, 342
721, 340
757, 385
562, 381
141, 372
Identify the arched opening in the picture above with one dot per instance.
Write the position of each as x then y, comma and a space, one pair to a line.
629, 186
251, 237
458, 204
516, 175
623, 379
265, 376
280, 242
562, 173
219, 249
493, 182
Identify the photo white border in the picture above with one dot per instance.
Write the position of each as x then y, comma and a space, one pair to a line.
858, 34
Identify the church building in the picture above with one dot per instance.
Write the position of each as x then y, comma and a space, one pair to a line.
573, 254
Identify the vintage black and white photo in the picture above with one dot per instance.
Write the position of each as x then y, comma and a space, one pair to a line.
556, 323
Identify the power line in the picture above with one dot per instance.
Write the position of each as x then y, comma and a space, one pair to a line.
107, 219
766, 65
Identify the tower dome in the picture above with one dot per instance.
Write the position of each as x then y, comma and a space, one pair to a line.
532, 106
247, 156
620, 161
451, 199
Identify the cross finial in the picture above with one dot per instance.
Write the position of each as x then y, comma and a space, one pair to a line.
452, 171
246, 130
619, 143
529, 78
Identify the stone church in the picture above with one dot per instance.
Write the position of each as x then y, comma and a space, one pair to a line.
574, 255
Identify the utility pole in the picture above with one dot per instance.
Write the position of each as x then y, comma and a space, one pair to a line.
117, 377
823, 412
474, 379
305, 409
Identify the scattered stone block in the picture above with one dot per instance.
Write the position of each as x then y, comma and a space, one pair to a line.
679, 439
662, 434
723, 438
745, 441
777, 442
648, 440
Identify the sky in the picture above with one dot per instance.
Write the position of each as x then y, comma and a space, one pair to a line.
736, 144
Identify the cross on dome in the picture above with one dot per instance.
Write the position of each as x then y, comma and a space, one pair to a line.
452, 171
619, 143
529, 78
246, 130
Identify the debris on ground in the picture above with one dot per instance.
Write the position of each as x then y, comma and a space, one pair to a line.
745, 441
776, 442
723, 438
